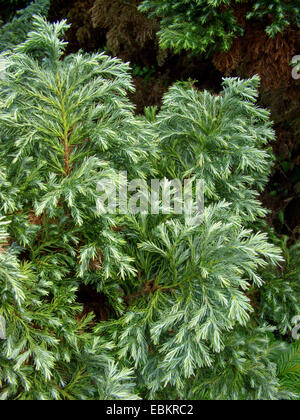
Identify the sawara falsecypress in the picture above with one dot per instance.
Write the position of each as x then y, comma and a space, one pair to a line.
66, 124
203, 26
191, 329
178, 321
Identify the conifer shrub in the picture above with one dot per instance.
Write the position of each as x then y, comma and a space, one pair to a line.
222, 139
66, 124
178, 320
46, 350
205, 25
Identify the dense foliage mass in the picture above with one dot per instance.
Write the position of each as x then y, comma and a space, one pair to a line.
174, 310
202, 25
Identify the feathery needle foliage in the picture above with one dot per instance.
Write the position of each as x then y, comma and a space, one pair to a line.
176, 319
202, 26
